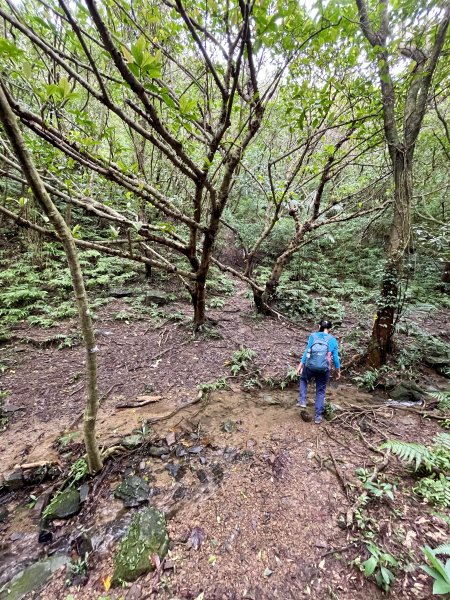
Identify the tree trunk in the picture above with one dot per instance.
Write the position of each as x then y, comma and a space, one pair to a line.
40, 193
199, 303
446, 273
380, 344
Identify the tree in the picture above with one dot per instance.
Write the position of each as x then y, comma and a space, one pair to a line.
422, 46
179, 79
15, 137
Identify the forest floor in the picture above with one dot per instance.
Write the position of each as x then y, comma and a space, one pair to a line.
260, 489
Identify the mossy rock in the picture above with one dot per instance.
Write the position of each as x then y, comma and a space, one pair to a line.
64, 505
146, 536
407, 392
32, 578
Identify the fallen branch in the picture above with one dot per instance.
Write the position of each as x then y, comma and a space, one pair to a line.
177, 410
139, 403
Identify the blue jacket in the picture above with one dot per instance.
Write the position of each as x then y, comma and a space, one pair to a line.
332, 347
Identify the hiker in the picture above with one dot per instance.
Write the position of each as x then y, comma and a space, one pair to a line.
315, 364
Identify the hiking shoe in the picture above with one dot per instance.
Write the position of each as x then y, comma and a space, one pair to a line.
318, 420
301, 404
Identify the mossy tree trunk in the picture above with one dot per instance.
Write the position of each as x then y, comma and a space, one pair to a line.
15, 137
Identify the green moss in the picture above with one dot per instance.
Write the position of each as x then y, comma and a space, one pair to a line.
146, 536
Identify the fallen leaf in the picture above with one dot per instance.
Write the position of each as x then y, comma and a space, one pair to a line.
107, 582
200, 596
322, 564
170, 438
268, 572
410, 537
212, 559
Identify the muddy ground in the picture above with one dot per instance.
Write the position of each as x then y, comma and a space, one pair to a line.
264, 493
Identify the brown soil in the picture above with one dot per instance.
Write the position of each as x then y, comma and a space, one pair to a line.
271, 525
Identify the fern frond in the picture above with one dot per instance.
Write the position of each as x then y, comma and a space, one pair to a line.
410, 452
443, 549
443, 440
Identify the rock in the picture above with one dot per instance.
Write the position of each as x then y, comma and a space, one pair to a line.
228, 426
146, 536
41, 504
179, 493
177, 471
441, 364
217, 472
157, 297
83, 545
84, 491
195, 449
45, 536
133, 491
196, 538
64, 505
305, 416
202, 477
132, 441
32, 578
407, 392
119, 293
13, 481
180, 451
269, 399
158, 451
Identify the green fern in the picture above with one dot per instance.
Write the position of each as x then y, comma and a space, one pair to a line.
443, 399
436, 490
442, 440
443, 549
410, 452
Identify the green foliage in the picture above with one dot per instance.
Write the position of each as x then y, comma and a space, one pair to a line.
431, 464
240, 360
443, 399
376, 489
78, 471
368, 379
219, 384
410, 452
380, 564
435, 490
216, 303
439, 571
67, 438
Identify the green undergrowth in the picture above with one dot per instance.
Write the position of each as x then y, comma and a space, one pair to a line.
379, 508
37, 288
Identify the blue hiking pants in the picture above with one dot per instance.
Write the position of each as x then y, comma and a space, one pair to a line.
321, 385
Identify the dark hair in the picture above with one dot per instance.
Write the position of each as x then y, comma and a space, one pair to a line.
324, 324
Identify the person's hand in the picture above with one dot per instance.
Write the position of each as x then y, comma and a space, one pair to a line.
299, 370
338, 374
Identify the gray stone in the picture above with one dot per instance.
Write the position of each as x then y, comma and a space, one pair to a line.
157, 297
14, 481
32, 578
133, 491
158, 450
64, 505
119, 293
441, 364
146, 536
407, 392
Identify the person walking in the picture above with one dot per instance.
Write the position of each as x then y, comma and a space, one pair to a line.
315, 364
